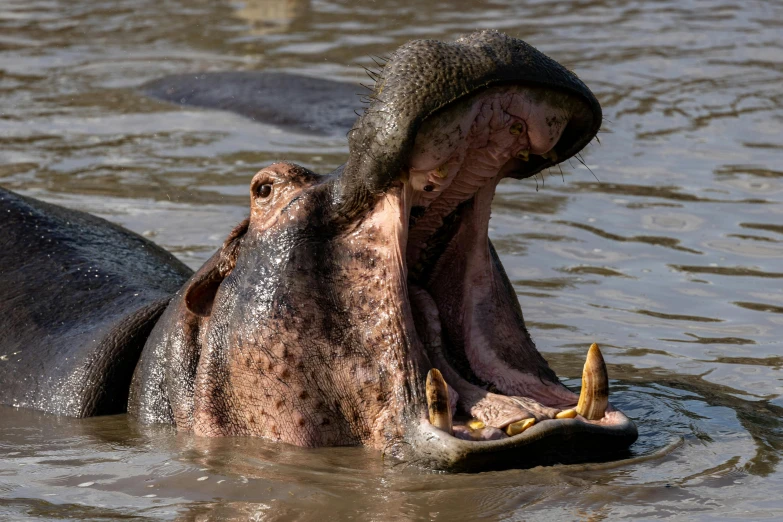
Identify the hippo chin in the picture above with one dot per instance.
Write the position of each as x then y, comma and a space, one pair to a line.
367, 306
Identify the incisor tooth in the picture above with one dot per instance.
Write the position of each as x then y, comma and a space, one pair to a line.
515, 428
516, 128
524, 155
438, 401
594, 396
476, 424
566, 414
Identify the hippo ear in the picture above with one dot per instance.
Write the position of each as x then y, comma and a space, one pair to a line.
200, 293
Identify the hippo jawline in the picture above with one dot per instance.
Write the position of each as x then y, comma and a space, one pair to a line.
487, 379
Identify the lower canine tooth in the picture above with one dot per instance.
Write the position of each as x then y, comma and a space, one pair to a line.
438, 401
515, 428
594, 396
566, 414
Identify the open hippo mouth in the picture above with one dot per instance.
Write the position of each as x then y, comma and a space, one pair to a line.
368, 306
491, 399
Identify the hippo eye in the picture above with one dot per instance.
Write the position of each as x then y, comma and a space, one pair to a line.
263, 191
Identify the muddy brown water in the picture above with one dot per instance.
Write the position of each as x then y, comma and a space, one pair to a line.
669, 254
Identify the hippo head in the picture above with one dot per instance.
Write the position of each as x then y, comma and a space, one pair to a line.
368, 306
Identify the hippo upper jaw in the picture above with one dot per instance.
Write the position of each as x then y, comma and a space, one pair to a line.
426, 76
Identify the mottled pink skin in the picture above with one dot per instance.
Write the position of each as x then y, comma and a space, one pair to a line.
285, 379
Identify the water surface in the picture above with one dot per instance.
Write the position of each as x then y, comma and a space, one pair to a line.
666, 247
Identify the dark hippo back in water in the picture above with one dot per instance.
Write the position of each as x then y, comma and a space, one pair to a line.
78, 298
294, 102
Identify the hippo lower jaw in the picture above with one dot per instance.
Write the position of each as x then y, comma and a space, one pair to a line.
550, 442
491, 399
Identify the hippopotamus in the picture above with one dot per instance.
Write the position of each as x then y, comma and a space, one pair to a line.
366, 306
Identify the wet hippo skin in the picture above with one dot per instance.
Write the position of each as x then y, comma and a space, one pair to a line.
78, 298
366, 306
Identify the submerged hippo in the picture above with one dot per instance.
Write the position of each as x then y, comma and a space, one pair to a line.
290, 101
366, 306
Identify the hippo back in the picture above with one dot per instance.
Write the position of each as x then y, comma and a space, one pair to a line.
78, 298
293, 102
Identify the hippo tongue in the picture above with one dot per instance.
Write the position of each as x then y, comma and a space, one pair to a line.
493, 409
496, 410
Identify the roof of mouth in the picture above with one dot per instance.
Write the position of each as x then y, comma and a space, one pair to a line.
424, 76
473, 143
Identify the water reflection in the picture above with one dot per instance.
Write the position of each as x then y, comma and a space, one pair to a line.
694, 435
271, 16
